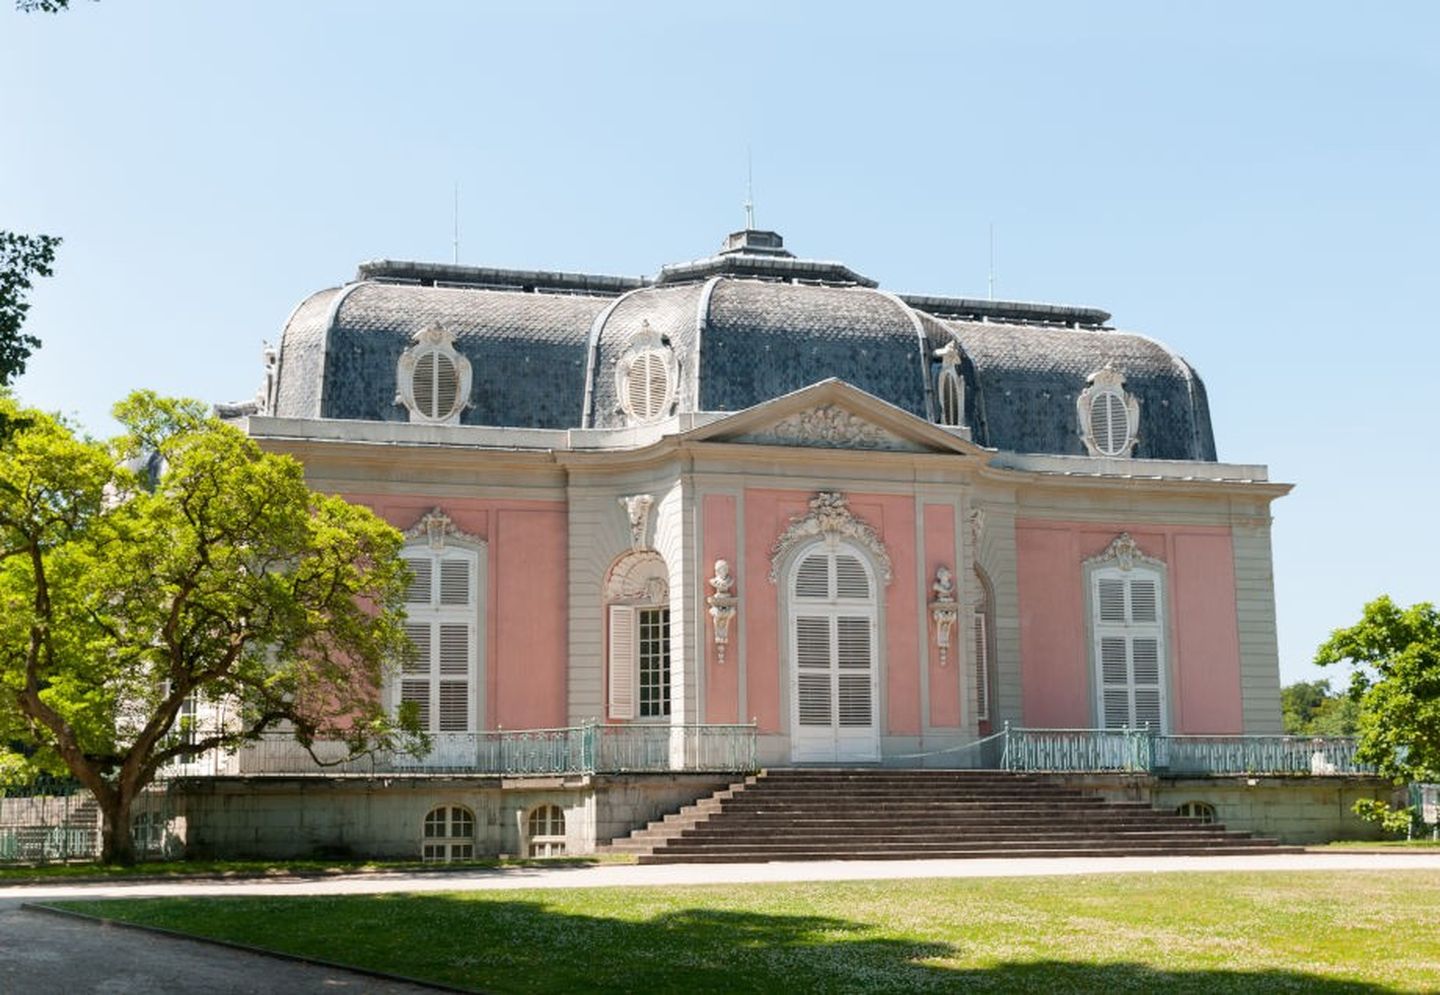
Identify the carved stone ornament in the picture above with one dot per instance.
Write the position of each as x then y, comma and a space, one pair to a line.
977, 526
1124, 553
646, 375
944, 610
436, 527
828, 426
722, 605
829, 519
637, 511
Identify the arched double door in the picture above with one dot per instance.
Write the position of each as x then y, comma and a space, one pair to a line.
833, 625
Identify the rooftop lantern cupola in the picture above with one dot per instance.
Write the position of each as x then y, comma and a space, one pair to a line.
761, 255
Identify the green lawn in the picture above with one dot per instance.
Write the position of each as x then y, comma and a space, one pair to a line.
1284, 932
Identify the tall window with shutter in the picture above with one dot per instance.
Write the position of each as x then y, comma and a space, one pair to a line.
441, 677
638, 624
1129, 647
833, 633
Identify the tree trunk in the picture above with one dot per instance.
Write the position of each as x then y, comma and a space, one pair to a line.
117, 841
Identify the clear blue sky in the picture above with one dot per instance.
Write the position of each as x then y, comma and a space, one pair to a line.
1254, 184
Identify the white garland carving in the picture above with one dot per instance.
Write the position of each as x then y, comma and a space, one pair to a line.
830, 519
1125, 553
828, 426
435, 527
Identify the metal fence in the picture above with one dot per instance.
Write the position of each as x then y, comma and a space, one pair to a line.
1139, 750
54, 821
585, 749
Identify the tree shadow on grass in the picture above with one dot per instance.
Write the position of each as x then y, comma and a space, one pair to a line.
486, 942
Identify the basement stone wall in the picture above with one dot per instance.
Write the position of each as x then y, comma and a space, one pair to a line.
383, 817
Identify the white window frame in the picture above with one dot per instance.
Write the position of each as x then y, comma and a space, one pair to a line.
637, 583
436, 615
549, 842
450, 845
1129, 631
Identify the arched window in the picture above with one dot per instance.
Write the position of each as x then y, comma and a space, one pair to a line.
637, 595
949, 388
1203, 811
545, 831
449, 834
833, 634
646, 375
440, 679
1109, 415
432, 378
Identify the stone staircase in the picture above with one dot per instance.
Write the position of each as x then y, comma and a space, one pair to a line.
880, 814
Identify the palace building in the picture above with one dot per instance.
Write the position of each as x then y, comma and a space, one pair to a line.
759, 499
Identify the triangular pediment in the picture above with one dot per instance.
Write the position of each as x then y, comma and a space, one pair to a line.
833, 415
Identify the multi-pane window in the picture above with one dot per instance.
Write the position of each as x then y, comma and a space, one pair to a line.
438, 679
449, 834
1129, 648
654, 662
545, 830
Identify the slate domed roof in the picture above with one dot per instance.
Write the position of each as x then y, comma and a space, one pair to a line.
748, 324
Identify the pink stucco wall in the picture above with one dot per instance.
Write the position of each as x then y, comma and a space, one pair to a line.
525, 647
944, 681
722, 683
1204, 645
767, 514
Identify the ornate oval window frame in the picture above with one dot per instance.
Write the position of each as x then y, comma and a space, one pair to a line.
647, 356
1107, 386
439, 343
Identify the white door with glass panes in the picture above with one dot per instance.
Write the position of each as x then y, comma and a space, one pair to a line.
834, 683
439, 679
1128, 608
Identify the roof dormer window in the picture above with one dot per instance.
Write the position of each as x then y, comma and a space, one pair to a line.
949, 388
1109, 415
432, 378
645, 377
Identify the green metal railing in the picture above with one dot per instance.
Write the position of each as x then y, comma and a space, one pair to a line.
592, 748
1141, 751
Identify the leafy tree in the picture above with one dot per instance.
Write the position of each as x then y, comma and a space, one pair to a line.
179, 560
1394, 654
1310, 708
22, 257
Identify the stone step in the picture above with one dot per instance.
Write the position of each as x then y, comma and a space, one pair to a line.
747, 857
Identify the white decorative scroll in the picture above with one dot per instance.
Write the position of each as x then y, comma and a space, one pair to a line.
722, 605
829, 519
1125, 553
944, 610
828, 426
435, 526
637, 511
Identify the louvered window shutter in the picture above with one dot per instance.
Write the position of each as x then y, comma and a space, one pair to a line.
982, 667
1129, 650
854, 660
447, 385
812, 580
850, 578
440, 678
622, 661
951, 399
812, 658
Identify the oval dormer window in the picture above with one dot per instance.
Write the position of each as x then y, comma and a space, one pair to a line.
433, 379
1109, 415
645, 376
